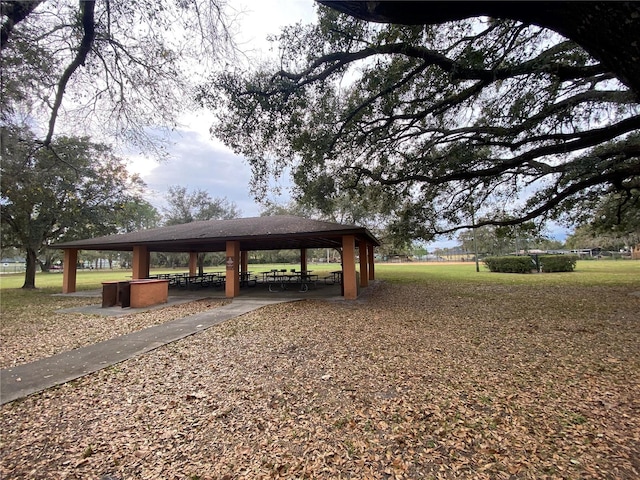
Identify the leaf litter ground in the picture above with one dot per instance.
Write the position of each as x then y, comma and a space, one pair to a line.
412, 381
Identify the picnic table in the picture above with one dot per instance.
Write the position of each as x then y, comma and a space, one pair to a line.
334, 277
279, 279
248, 279
205, 280
191, 281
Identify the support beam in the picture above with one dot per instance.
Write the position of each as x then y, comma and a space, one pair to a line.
140, 262
364, 264
372, 273
349, 267
244, 262
303, 259
232, 284
193, 263
69, 270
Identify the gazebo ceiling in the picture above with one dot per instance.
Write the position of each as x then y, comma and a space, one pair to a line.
257, 233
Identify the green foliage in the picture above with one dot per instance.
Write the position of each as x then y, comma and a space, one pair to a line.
557, 263
427, 121
526, 263
186, 207
78, 189
137, 215
510, 264
619, 214
613, 223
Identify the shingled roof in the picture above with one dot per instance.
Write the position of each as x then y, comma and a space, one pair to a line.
277, 232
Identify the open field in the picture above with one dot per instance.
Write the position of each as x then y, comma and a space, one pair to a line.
436, 372
621, 272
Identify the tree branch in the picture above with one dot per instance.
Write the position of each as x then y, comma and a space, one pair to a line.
552, 202
15, 13
502, 166
88, 26
335, 61
607, 30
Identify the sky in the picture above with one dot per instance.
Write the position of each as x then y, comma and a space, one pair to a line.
196, 161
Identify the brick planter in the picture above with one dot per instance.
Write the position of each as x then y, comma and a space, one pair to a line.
145, 293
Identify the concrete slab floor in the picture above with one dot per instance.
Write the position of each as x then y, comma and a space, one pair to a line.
179, 296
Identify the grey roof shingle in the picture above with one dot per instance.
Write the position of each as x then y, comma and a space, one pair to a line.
257, 233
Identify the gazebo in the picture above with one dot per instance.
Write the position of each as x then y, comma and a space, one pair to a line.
236, 238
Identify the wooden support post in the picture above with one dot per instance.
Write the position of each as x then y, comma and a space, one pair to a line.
364, 264
193, 263
349, 267
232, 284
372, 273
140, 262
303, 259
69, 270
244, 262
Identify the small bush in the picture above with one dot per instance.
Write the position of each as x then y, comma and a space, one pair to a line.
525, 264
558, 263
510, 264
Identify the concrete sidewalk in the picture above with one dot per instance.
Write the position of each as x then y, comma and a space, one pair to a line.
22, 380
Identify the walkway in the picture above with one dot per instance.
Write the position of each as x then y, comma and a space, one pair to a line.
22, 380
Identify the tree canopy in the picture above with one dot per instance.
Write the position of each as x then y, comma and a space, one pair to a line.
82, 191
427, 123
607, 30
186, 207
614, 224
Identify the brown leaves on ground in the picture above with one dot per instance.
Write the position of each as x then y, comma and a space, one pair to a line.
411, 382
34, 333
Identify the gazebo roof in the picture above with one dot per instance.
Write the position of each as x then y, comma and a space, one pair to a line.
277, 232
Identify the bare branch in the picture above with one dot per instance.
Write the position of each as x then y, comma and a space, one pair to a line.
87, 10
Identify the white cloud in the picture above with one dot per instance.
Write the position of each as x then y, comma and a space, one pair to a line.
259, 19
196, 161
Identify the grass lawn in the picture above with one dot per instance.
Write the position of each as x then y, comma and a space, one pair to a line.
588, 272
436, 372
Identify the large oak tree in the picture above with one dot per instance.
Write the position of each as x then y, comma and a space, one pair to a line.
429, 123
81, 191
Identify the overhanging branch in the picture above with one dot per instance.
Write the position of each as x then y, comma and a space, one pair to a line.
15, 13
89, 32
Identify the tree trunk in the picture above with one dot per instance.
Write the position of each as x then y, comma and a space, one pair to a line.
44, 266
30, 272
